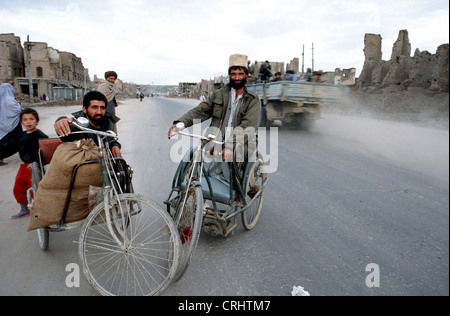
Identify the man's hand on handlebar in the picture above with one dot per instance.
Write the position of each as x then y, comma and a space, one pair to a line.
116, 151
178, 126
227, 154
171, 130
62, 127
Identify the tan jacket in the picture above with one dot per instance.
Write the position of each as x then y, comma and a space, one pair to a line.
215, 108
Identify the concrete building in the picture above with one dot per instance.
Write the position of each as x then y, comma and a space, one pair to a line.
345, 77
58, 75
55, 74
11, 58
294, 65
205, 87
186, 89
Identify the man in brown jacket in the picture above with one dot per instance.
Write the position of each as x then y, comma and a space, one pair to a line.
107, 88
234, 110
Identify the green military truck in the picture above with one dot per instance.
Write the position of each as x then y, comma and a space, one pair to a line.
295, 103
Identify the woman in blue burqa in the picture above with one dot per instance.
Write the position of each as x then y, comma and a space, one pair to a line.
10, 110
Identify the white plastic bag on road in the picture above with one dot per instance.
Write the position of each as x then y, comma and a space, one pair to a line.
299, 291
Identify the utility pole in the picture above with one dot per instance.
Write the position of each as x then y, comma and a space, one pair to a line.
312, 49
30, 75
84, 83
303, 60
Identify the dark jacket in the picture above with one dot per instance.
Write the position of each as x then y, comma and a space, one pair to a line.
27, 144
108, 125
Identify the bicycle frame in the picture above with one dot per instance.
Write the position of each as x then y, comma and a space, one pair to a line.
194, 163
110, 191
128, 245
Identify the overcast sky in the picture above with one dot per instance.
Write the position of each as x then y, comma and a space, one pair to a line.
172, 41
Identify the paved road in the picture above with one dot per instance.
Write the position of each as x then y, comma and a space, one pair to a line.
352, 192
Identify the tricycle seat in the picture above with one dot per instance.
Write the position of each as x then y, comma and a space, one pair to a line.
47, 148
220, 190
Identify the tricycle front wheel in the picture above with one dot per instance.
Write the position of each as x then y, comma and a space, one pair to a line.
254, 194
137, 255
189, 225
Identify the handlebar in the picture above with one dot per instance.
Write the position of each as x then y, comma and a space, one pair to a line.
81, 121
209, 138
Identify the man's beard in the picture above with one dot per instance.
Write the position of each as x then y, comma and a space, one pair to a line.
238, 86
97, 119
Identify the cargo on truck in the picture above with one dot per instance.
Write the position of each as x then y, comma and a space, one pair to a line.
295, 103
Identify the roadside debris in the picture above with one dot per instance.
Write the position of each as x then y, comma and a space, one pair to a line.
299, 291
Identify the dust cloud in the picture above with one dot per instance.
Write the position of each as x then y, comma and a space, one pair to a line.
419, 148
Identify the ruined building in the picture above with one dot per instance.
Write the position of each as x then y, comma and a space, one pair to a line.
11, 58
424, 69
294, 65
345, 77
58, 75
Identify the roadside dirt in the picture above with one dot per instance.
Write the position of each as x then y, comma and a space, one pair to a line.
414, 105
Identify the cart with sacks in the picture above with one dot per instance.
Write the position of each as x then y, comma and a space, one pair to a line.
128, 245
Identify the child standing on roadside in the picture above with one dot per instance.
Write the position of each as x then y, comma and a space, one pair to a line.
27, 144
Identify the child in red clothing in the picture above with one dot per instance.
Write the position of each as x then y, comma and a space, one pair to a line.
27, 144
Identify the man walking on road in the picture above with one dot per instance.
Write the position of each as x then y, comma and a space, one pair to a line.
107, 88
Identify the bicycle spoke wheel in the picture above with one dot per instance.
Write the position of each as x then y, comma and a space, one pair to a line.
189, 226
142, 258
254, 193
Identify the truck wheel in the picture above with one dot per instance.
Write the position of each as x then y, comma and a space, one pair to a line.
304, 124
263, 121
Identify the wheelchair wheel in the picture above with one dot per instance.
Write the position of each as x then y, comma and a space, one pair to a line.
138, 256
254, 193
189, 226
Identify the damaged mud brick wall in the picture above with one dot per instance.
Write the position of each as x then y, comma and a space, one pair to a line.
59, 75
424, 70
11, 58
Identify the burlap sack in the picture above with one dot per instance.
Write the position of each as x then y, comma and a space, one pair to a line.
51, 194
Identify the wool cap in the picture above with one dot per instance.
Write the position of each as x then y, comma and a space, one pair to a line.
110, 73
239, 60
